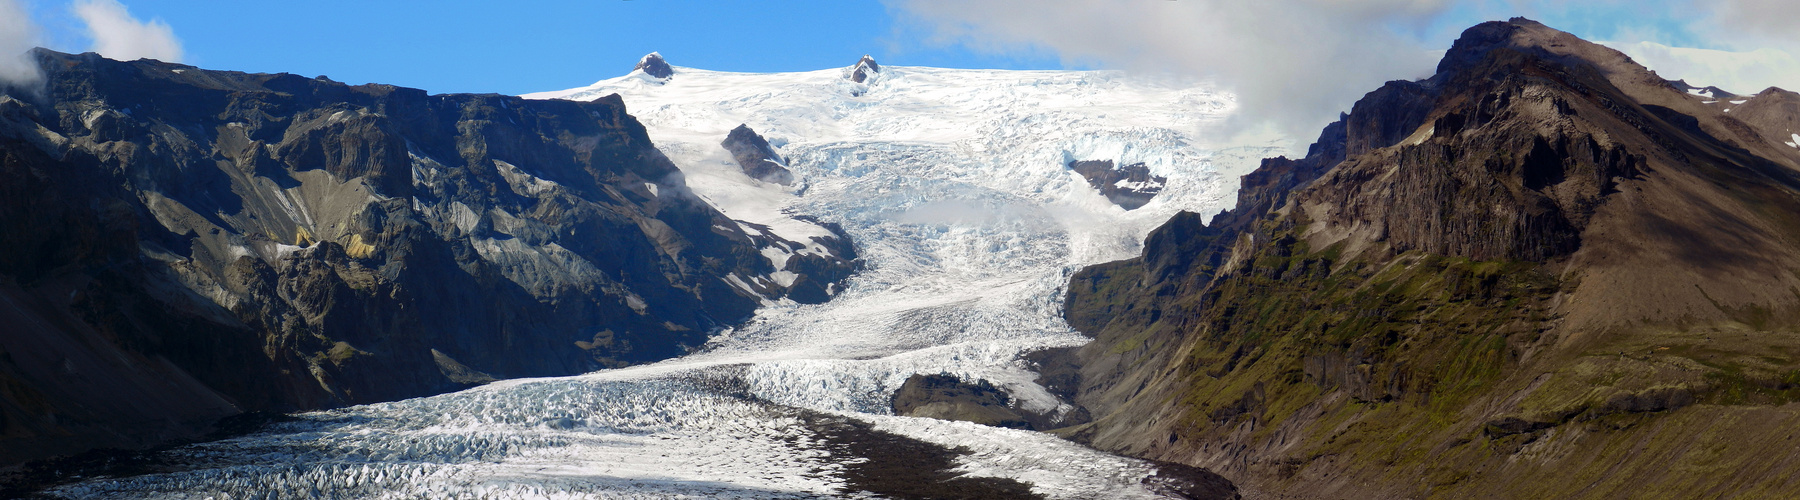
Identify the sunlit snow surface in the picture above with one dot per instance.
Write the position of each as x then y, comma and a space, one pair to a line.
953, 185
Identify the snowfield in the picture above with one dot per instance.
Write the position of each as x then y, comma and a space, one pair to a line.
954, 187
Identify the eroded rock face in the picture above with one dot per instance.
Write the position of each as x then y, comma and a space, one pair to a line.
1130, 186
653, 64
754, 155
818, 266
199, 243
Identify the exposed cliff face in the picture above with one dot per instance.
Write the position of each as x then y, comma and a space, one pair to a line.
1544, 271
178, 244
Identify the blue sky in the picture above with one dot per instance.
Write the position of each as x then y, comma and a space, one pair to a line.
1295, 63
469, 46
517, 47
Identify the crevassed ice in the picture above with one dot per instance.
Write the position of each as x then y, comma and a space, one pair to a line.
953, 185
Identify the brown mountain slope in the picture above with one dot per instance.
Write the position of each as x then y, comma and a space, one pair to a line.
1543, 272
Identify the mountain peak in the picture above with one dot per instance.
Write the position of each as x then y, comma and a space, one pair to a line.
865, 69
653, 64
1529, 36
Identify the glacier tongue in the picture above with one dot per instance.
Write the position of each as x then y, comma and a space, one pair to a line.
954, 186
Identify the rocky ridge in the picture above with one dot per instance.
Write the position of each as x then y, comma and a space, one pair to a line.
179, 245
1543, 272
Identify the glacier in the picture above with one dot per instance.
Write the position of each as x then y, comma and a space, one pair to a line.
954, 186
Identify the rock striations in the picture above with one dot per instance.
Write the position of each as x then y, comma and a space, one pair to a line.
1543, 272
178, 245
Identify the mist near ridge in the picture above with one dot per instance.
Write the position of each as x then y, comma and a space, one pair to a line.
1295, 64
119, 36
17, 37
113, 32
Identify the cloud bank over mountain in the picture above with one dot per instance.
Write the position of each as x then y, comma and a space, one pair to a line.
1738, 72
110, 27
1295, 64
17, 35
119, 36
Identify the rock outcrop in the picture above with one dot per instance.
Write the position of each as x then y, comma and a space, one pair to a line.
1707, 91
757, 159
653, 64
946, 397
866, 69
178, 245
1129, 186
1543, 272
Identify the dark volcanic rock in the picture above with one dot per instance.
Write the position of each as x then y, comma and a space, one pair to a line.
754, 155
178, 245
1129, 186
653, 64
865, 69
818, 274
1185, 482
946, 397
895, 466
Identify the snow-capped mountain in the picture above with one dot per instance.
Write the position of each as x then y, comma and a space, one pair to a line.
1015, 132
956, 187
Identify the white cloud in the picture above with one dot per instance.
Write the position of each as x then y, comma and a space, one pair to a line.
1297, 63
1292, 63
1738, 72
17, 37
1771, 18
119, 36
